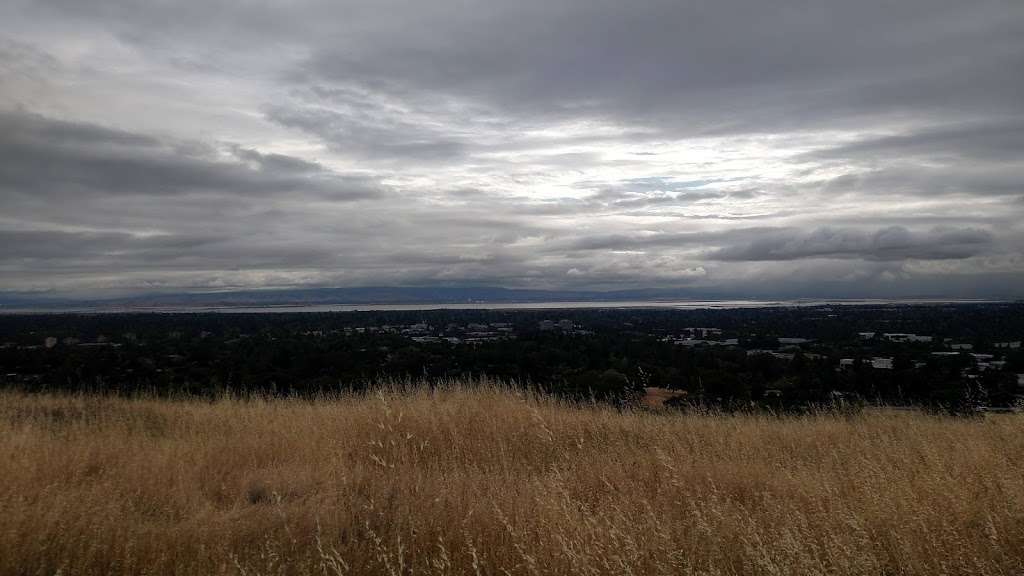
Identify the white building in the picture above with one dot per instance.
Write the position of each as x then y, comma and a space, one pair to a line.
690, 342
703, 332
901, 337
881, 363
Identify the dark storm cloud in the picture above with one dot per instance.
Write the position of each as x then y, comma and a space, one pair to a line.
748, 64
59, 159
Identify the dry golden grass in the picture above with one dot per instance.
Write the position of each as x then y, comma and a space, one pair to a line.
464, 481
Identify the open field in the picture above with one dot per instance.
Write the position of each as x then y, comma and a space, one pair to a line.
488, 481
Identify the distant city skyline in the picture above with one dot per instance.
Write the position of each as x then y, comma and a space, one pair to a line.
742, 148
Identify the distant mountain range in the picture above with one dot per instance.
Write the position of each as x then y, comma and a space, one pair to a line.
362, 295
389, 295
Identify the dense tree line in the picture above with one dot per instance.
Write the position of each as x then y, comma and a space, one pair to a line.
609, 355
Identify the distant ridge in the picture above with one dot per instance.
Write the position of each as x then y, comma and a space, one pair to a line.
359, 295
406, 295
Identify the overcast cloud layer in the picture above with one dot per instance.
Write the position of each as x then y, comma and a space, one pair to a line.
784, 148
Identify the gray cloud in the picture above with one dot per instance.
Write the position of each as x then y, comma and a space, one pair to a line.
894, 243
678, 61
900, 178
696, 65
57, 158
729, 147
1001, 140
21, 245
370, 133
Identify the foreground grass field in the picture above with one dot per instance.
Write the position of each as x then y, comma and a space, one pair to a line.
489, 481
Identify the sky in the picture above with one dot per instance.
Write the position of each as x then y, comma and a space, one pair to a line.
789, 148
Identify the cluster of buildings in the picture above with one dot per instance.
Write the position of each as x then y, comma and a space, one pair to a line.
50, 342
951, 349
876, 362
453, 333
692, 337
696, 337
788, 348
563, 326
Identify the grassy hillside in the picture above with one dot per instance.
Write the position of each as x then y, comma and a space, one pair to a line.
489, 481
